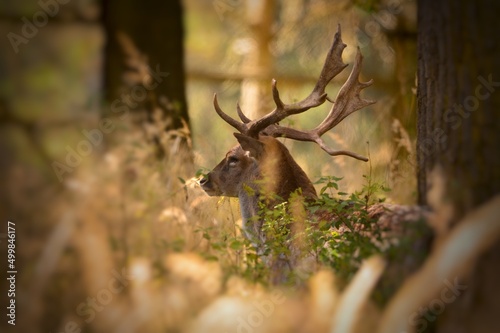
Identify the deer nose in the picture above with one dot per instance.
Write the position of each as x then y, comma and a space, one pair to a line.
208, 186
204, 180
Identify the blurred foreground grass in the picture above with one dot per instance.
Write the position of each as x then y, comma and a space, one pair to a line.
117, 248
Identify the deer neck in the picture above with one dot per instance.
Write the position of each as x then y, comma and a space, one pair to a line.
276, 178
251, 223
282, 175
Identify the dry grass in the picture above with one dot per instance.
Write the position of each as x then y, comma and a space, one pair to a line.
123, 238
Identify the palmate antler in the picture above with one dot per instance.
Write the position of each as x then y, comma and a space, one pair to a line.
348, 101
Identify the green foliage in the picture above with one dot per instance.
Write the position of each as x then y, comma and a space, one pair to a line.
337, 232
201, 172
235, 254
346, 235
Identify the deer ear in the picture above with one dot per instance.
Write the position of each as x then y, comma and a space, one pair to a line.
253, 146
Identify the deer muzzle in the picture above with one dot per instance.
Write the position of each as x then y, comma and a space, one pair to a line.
209, 186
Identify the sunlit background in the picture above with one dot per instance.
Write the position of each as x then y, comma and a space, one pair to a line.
234, 50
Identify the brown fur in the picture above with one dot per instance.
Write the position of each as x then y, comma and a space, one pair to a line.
264, 167
261, 171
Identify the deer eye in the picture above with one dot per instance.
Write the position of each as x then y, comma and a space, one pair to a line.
232, 161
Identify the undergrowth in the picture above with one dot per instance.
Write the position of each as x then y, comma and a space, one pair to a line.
337, 232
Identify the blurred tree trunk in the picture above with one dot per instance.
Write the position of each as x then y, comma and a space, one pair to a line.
156, 29
255, 90
458, 132
402, 35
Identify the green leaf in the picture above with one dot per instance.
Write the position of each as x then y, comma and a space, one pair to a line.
252, 256
216, 246
236, 245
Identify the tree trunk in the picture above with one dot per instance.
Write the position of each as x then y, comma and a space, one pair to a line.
155, 27
255, 90
459, 134
459, 99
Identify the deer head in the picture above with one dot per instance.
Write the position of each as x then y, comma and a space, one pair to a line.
261, 167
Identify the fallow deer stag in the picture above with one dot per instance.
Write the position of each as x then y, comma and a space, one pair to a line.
261, 169
262, 165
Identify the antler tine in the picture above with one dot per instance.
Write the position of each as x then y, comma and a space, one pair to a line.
333, 63
332, 152
332, 67
311, 136
348, 101
241, 127
242, 116
276, 95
